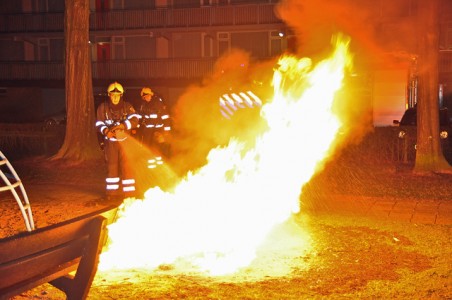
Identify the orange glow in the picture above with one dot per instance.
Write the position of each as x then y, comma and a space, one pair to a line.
219, 216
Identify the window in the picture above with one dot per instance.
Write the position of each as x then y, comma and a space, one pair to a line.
139, 4
29, 50
186, 3
42, 6
187, 45
103, 49
55, 5
207, 45
206, 2
449, 39
256, 43
140, 47
117, 4
46, 5
102, 5
56, 49
276, 46
43, 49
3, 92
224, 42
118, 48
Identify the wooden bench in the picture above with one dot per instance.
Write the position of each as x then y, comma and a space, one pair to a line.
49, 254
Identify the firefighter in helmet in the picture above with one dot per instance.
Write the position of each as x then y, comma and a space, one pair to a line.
155, 125
115, 118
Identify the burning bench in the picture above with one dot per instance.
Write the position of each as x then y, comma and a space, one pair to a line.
49, 254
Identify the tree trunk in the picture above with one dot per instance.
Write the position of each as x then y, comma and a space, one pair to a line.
80, 143
429, 156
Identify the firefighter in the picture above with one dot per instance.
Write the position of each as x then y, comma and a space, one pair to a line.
115, 119
155, 125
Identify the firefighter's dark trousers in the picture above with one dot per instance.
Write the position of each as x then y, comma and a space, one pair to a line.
120, 181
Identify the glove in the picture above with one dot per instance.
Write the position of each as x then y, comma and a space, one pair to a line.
118, 127
110, 134
120, 134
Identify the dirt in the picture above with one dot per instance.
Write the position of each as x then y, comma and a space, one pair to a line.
342, 257
56, 191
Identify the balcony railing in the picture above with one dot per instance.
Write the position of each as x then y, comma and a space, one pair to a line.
49, 22
233, 15
31, 70
153, 69
127, 69
138, 69
171, 18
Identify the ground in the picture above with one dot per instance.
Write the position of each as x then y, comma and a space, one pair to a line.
348, 256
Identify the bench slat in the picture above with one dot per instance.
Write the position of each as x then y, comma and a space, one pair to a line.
40, 263
26, 285
33, 243
25, 243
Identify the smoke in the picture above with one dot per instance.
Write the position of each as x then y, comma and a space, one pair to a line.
315, 22
314, 25
199, 124
382, 36
377, 30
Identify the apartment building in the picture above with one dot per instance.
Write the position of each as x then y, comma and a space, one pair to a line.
166, 44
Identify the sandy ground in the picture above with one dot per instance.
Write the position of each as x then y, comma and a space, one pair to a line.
312, 256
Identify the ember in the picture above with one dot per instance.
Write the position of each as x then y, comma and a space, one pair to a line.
219, 216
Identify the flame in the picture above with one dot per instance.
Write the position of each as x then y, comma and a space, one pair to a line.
216, 218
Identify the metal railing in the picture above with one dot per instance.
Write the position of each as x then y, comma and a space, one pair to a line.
123, 69
48, 22
137, 69
230, 15
31, 70
153, 69
171, 18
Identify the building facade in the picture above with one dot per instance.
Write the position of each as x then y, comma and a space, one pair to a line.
166, 44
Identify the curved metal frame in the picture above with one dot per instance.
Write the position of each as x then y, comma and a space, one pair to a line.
24, 204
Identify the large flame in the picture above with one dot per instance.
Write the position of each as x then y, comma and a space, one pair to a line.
217, 217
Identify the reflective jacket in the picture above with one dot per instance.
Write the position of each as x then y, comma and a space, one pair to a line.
154, 115
230, 103
110, 115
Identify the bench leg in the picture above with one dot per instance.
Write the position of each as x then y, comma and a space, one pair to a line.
77, 288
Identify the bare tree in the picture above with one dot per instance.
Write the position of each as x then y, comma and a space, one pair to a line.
429, 156
80, 142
